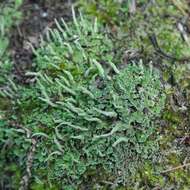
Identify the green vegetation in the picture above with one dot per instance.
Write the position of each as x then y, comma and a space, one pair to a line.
84, 112
159, 18
107, 11
9, 14
94, 115
9, 17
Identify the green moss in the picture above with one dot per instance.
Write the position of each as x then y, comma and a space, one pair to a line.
4, 103
107, 11
159, 18
150, 177
9, 17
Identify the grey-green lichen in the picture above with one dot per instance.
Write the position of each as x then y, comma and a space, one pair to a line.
86, 113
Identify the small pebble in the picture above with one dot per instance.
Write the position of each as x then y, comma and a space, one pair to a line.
44, 14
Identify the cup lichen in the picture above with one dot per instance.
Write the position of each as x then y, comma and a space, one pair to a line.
87, 114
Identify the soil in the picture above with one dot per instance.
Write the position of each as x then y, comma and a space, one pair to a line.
38, 15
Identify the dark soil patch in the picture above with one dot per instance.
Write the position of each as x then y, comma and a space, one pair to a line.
37, 16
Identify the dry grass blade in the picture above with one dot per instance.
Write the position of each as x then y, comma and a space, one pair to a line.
176, 168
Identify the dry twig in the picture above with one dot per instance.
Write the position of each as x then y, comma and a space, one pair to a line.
176, 168
30, 157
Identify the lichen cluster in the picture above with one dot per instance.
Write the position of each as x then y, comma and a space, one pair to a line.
86, 113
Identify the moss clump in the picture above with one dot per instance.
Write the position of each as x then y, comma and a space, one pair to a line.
9, 16
107, 11
160, 18
88, 114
